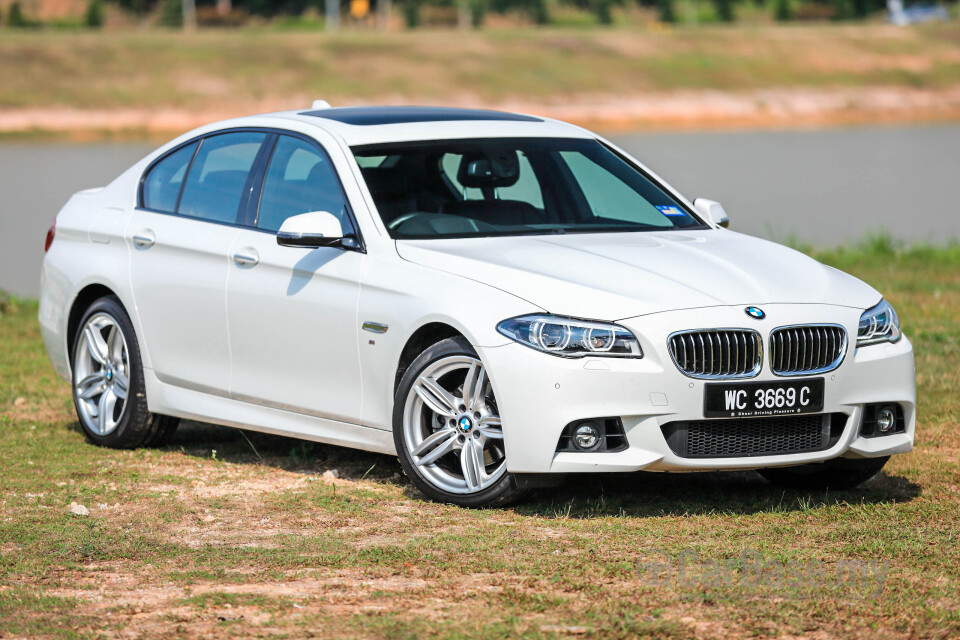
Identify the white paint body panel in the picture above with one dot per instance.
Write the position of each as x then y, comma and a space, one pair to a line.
277, 346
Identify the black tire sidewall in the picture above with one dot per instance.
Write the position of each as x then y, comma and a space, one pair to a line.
501, 493
127, 434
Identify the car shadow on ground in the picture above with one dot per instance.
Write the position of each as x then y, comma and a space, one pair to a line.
638, 494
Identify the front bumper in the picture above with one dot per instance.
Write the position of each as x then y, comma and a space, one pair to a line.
538, 394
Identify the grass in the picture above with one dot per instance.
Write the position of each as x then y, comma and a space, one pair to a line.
184, 541
219, 70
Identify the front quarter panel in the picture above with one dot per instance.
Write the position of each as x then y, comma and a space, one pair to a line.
405, 297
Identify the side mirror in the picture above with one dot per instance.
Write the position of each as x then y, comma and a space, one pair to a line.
712, 211
314, 229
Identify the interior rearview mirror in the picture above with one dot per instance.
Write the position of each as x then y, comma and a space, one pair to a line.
314, 229
712, 211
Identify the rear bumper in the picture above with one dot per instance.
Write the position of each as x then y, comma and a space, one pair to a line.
539, 394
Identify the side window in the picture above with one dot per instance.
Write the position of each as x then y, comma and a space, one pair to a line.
300, 178
214, 187
610, 197
525, 189
161, 186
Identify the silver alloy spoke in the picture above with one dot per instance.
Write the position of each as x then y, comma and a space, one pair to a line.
491, 428
120, 385
448, 445
434, 440
473, 386
436, 397
95, 344
91, 385
105, 408
114, 344
471, 461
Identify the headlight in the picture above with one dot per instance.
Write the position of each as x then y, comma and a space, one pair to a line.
878, 324
571, 338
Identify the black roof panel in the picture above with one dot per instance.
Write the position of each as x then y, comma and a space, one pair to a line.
404, 115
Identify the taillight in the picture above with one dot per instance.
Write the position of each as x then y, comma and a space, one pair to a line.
52, 231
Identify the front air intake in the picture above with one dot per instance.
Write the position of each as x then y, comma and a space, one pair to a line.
747, 437
717, 353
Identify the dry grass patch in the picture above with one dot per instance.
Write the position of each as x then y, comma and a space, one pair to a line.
218, 534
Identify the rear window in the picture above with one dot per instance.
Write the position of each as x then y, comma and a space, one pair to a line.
219, 174
161, 185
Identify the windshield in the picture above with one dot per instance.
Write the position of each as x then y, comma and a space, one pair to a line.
513, 186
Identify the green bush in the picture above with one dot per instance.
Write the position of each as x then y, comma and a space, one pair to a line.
171, 13
94, 16
842, 9
16, 19
478, 12
602, 9
411, 13
782, 11
724, 9
666, 11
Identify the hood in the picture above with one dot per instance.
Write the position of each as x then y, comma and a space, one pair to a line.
613, 276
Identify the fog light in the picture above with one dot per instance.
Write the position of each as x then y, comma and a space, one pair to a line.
886, 419
586, 437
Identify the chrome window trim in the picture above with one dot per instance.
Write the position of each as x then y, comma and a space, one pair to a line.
831, 367
746, 375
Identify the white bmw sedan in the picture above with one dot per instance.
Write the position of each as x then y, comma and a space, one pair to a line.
497, 299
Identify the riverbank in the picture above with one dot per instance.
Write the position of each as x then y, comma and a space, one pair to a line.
155, 83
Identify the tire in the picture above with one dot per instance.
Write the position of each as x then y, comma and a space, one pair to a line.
838, 474
445, 457
107, 380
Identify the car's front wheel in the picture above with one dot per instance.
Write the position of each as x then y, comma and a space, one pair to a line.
108, 386
838, 474
447, 428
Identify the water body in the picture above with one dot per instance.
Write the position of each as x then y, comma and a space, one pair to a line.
825, 187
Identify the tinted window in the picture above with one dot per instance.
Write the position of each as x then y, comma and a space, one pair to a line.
512, 186
300, 178
525, 189
161, 186
618, 197
217, 178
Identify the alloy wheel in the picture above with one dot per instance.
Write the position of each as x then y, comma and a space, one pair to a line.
452, 427
101, 374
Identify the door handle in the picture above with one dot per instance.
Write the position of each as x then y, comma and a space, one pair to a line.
246, 258
144, 239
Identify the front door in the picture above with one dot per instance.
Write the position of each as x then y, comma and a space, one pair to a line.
293, 311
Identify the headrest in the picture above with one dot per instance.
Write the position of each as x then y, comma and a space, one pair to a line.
489, 169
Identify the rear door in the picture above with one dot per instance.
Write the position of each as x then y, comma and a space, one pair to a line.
293, 310
180, 237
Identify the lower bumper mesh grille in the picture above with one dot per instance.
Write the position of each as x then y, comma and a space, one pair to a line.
748, 437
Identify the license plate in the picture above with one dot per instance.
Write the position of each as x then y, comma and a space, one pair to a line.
749, 399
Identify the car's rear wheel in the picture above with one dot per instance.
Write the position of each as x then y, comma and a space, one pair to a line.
447, 428
108, 387
838, 474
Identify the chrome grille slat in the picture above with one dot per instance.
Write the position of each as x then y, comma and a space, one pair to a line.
807, 349
717, 353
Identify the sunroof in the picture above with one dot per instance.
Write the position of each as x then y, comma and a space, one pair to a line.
402, 115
